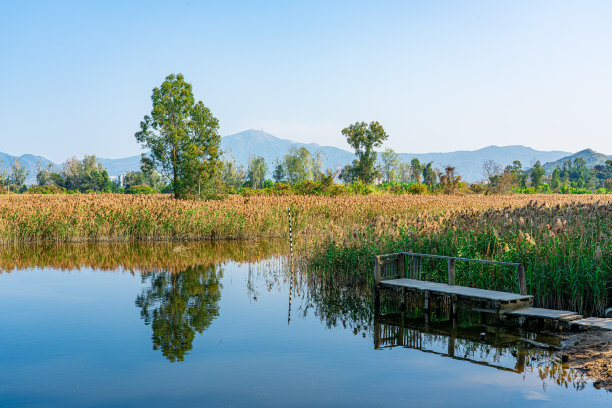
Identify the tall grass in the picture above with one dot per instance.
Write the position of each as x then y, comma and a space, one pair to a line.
566, 250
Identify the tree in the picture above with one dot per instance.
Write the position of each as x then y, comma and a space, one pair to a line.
429, 175
318, 161
449, 181
177, 305
18, 173
279, 174
298, 165
232, 175
555, 180
415, 170
348, 173
390, 165
363, 138
257, 171
182, 137
43, 176
537, 173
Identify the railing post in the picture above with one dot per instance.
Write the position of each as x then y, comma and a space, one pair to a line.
401, 268
521, 279
376, 271
451, 271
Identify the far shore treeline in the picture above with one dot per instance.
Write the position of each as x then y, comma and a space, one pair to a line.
184, 158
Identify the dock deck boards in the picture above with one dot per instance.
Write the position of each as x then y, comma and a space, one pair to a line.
545, 313
594, 322
460, 291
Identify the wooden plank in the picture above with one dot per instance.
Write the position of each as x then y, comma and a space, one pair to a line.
593, 322
460, 291
542, 313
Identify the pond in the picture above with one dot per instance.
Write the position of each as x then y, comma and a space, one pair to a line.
231, 324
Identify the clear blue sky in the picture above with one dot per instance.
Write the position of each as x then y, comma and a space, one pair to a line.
76, 77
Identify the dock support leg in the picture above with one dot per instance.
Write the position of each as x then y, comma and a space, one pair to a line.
454, 306
376, 300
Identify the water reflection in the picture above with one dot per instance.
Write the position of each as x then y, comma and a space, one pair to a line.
177, 305
182, 288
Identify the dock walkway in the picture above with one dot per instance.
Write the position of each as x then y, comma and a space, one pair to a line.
402, 271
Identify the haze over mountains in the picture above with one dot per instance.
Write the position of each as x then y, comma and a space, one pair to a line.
241, 145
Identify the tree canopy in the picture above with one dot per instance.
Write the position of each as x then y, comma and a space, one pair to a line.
363, 138
182, 137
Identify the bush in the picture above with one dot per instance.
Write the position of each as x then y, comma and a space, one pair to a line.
417, 188
46, 190
477, 188
141, 189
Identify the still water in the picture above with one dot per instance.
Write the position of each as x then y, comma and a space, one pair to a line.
231, 325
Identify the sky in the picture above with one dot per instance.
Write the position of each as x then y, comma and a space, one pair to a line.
76, 77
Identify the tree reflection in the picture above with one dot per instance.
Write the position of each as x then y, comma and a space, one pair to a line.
176, 305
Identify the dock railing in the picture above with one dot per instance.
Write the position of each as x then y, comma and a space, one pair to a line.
409, 264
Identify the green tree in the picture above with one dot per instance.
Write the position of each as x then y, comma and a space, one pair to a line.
429, 175
233, 175
18, 173
363, 138
257, 171
318, 161
43, 176
415, 170
279, 174
298, 165
537, 174
390, 165
555, 180
177, 305
182, 137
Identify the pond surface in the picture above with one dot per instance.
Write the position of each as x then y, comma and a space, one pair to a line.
229, 325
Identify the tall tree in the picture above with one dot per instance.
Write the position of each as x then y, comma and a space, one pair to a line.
298, 165
18, 173
537, 174
363, 138
429, 175
257, 171
279, 174
390, 165
182, 137
415, 170
318, 161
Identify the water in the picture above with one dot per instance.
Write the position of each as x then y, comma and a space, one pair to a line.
110, 325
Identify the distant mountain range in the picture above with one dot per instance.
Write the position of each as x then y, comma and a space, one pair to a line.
468, 163
591, 157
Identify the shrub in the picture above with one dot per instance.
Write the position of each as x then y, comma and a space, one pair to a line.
141, 189
418, 188
46, 190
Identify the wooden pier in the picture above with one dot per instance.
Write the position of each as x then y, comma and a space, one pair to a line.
402, 272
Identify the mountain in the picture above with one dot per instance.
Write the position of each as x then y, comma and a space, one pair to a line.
468, 163
591, 157
27, 160
256, 142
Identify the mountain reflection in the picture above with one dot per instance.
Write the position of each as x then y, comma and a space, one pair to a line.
177, 305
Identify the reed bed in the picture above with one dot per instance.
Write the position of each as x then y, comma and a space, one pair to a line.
565, 242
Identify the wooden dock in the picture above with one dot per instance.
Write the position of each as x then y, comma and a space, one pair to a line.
402, 272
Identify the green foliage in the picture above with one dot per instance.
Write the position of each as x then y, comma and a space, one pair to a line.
390, 165
256, 172
363, 138
298, 165
49, 189
140, 189
417, 188
182, 137
177, 305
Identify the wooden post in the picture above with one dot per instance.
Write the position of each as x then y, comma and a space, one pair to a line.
403, 300
377, 271
521, 279
426, 304
401, 266
451, 271
454, 305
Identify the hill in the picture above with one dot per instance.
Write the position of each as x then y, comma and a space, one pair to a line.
591, 157
241, 145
